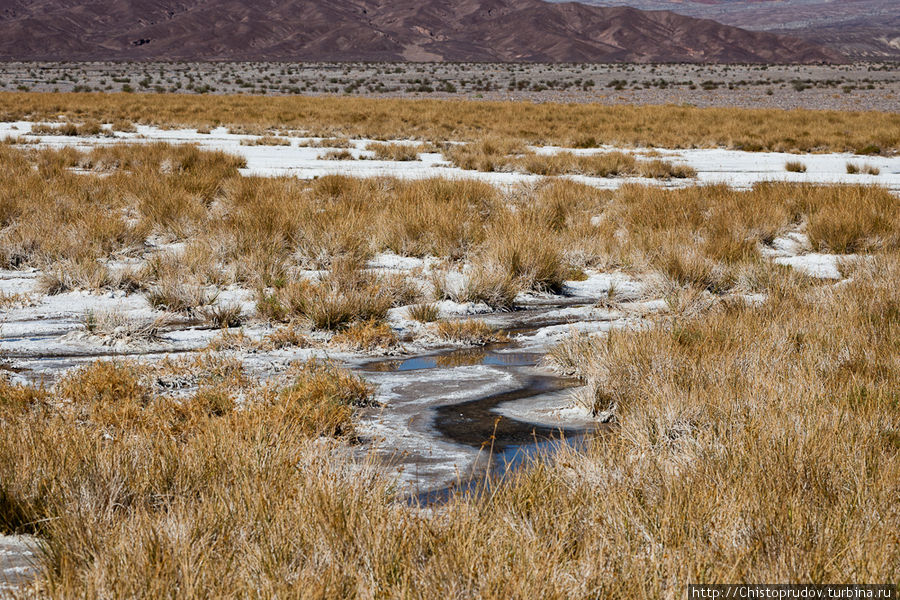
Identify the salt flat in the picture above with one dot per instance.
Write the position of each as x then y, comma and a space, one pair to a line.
736, 168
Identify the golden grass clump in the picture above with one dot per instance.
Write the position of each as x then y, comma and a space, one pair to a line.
424, 313
266, 140
846, 219
366, 336
795, 166
863, 169
90, 127
395, 151
321, 398
338, 155
488, 154
471, 332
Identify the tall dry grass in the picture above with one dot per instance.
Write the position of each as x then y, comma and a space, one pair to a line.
440, 120
258, 232
510, 156
752, 443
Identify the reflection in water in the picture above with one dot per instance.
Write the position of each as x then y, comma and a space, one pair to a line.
457, 358
499, 466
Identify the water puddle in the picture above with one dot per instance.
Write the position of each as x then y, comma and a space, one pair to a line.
499, 465
494, 443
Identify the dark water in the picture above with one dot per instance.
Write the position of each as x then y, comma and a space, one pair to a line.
506, 443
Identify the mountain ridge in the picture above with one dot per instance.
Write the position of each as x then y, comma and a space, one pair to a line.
379, 30
866, 29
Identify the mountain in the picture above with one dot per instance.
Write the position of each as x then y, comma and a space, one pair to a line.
857, 28
378, 30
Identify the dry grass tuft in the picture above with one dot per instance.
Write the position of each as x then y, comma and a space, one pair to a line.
864, 169
179, 297
344, 295
288, 336
338, 155
795, 166
366, 336
397, 152
86, 129
471, 332
116, 327
662, 169
326, 143
424, 313
221, 315
266, 140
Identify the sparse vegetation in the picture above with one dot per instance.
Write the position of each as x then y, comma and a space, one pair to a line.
500, 155
865, 169
795, 166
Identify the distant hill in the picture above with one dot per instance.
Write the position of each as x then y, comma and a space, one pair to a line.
857, 28
378, 30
